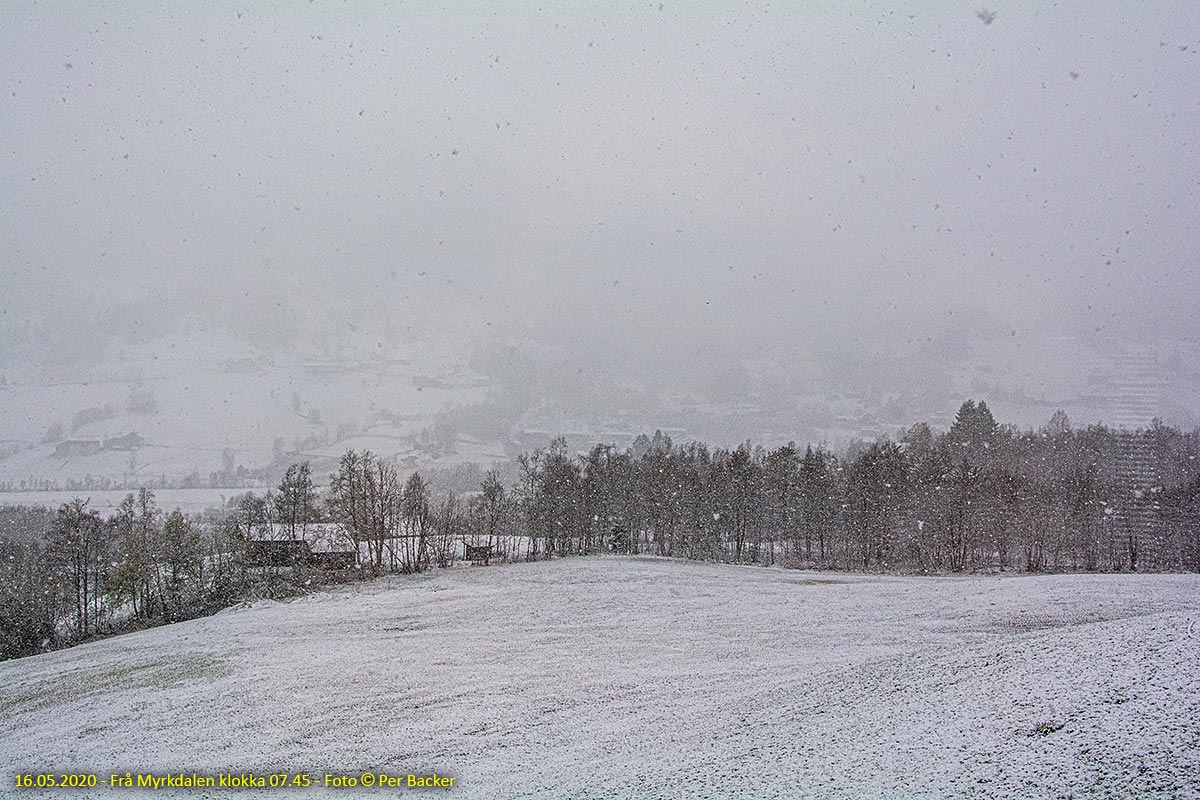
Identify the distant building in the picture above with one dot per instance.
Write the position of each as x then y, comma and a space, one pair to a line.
130, 441
73, 448
320, 545
286, 553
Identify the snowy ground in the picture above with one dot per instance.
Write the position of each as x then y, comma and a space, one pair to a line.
105, 501
640, 677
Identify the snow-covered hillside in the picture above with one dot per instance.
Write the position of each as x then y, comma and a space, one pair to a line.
201, 403
640, 677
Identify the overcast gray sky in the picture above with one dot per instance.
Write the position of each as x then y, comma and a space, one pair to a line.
654, 183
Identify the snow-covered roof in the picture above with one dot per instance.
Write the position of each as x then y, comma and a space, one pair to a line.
322, 537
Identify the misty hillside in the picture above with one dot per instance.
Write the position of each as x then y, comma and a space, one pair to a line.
450, 234
203, 410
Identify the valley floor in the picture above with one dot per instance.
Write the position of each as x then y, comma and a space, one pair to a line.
645, 678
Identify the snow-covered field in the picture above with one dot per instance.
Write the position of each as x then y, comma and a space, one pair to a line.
639, 677
106, 501
217, 397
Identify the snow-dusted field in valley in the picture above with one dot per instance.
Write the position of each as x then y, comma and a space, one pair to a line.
641, 677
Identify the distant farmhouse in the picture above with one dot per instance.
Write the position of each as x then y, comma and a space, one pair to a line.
72, 448
77, 447
319, 545
130, 441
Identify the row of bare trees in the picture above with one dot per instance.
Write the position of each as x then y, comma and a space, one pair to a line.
72, 574
979, 496
399, 527
390, 522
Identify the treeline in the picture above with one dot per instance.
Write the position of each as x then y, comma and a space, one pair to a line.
80, 575
71, 575
980, 496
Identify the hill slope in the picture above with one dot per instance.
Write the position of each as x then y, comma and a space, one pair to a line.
643, 677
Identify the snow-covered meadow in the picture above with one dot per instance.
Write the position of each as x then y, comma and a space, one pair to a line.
643, 677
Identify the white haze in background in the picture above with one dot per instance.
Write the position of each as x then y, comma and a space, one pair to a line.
661, 193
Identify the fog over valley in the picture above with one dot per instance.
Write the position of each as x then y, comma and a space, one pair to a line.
248, 236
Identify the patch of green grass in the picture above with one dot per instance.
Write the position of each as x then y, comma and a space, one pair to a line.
76, 684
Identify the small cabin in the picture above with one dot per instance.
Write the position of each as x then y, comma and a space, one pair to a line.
477, 552
279, 553
334, 559
320, 545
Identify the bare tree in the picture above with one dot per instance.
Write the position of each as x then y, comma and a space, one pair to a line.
77, 544
415, 511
